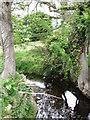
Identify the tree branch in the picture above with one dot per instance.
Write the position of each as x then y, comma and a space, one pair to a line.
30, 93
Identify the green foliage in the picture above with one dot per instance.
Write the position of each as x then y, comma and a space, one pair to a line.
31, 58
39, 26
18, 30
83, 19
59, 61
21, 106
64, 46
32, 27
88, 60
79, 35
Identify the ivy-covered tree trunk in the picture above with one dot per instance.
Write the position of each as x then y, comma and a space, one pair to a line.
83, 80
7, 40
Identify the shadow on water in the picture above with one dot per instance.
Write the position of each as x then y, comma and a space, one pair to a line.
72, 105
69, 91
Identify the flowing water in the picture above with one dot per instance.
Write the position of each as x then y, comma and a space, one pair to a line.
70, 104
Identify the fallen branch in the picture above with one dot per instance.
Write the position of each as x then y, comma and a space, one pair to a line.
30, 93
28, 84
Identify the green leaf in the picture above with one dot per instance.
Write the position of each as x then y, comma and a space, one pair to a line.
8, 87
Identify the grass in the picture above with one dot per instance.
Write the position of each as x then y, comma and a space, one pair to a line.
30, 58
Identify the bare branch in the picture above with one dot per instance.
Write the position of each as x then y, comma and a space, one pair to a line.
30, 93
55, 9
35, 6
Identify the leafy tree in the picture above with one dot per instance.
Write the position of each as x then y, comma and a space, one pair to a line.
32, 27
58, 60
19, 30
67, 43
39, 26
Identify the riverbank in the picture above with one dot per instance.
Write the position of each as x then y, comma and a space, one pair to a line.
58, 99
30, 57
13, 104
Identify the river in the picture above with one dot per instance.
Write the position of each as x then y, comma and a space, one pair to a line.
70, 104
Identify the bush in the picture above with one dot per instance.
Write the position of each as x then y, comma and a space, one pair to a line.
21, 106
30, 61
58, 60
32, 27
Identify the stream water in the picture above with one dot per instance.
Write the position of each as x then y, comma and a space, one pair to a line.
72, 105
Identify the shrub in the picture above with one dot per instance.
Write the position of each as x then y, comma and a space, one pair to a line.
21, 106
33, 27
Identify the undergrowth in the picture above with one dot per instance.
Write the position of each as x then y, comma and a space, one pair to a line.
13, 104
30, 61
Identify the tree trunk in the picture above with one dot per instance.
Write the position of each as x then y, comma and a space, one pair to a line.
84, 79
7, 40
